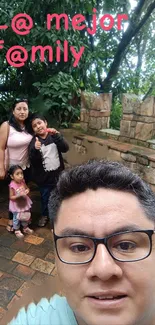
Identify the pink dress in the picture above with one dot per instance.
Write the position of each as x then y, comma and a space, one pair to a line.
17, 148
23, 203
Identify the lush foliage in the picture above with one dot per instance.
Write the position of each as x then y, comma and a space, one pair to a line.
113, 61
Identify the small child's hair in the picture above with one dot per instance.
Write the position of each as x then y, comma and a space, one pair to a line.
13, 168
39, 116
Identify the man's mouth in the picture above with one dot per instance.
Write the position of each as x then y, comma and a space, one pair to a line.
108, 297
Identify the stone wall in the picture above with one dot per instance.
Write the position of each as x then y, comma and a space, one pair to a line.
138, 121
95, 111
84, 147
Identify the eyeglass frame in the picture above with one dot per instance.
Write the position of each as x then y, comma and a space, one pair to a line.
104, 241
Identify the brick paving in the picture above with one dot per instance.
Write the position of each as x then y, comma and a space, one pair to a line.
23, 262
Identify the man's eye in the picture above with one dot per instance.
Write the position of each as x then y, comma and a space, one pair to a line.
126, 246
79, 248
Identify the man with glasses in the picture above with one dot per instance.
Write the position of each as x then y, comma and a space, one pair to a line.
103, 225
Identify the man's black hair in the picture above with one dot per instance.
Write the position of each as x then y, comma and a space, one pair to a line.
101, 174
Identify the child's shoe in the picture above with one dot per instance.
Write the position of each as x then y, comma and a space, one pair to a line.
19, 234
28, 231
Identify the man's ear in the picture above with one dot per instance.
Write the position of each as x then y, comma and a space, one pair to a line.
11, 176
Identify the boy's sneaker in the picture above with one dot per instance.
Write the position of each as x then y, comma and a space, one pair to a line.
19, 234
28, 231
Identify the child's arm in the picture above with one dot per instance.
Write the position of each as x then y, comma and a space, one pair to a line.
12, 195
60, 142
27, 190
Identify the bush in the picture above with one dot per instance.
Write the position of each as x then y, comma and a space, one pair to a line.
116, 114
58, 98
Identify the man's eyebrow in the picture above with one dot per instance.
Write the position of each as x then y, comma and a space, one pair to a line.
131, 227
74, 231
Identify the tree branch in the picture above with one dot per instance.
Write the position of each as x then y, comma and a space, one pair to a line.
126, 39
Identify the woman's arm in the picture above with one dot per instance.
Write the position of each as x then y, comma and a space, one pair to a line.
4, 137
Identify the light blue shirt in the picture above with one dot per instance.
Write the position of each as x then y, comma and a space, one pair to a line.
55, 311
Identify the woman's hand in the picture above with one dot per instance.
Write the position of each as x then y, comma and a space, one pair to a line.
52, 130
2, 173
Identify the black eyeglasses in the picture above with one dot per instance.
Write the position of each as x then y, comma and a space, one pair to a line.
127, 246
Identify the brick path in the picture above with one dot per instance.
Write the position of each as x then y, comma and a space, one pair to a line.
23, 261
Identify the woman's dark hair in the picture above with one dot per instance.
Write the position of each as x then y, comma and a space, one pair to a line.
13, 122
13, 168
101, 174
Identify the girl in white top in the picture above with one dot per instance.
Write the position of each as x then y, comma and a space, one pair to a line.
14, 143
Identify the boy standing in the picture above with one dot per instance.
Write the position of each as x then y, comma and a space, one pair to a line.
46, 160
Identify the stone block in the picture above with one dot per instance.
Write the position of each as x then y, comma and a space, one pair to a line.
83, 150
39, 278
95, 123
13, 300
7, 252
146, 107
23, 258
50, 257
5, 297
145, 119
84, 126
132, 132
152, 164
154, 107
142, 161
128, 157
114, 155
10, 282
79, 142
142, 143
133, 141
133, 123
23, 288
7, 265
23, 272
149, 175
102, 102
131, 165
105, 122
125, 128
42, 266
129, 102
20, 246
95, 113
143, 131
87, 100
123, 139
84, 115
128, 117
33, 240
7, 240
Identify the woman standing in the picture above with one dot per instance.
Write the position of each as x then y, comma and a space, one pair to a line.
14, 143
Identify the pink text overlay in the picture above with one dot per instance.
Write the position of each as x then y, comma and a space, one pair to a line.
22, 24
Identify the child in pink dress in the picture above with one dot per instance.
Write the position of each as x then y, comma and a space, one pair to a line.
20, 203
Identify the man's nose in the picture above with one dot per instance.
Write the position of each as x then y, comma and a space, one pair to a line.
103, 265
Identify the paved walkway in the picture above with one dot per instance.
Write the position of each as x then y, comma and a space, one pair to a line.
23, 261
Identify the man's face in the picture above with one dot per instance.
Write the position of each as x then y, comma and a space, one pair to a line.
101, 213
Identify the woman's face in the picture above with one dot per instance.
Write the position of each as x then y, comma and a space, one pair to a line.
21, 111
